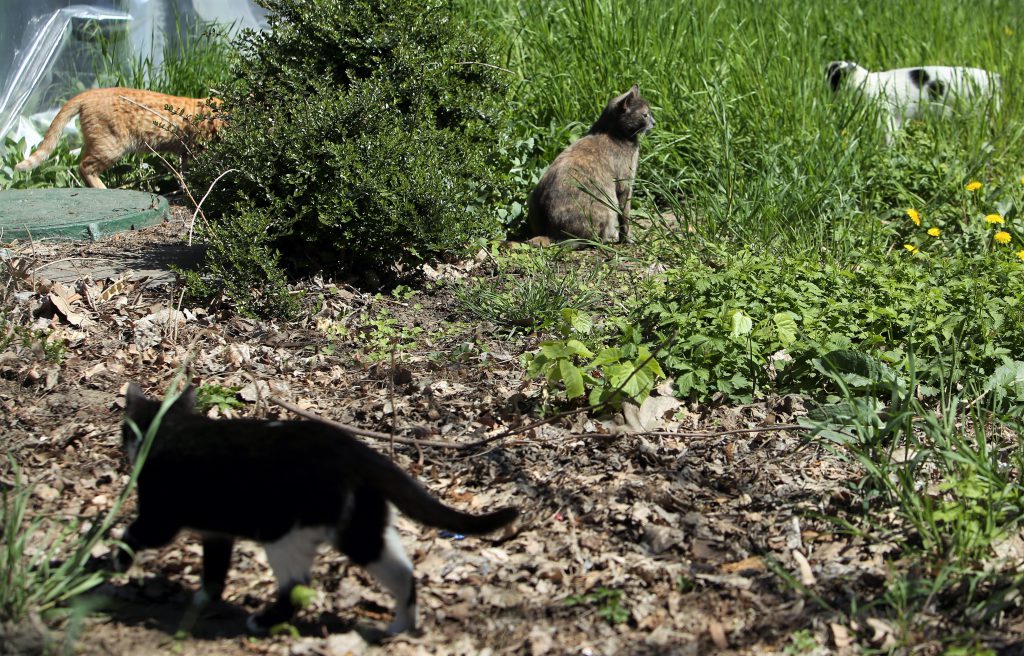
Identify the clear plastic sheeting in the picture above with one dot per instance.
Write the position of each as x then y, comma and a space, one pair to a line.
50, 48
34, 64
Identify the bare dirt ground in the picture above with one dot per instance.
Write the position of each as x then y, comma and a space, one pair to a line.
685, 540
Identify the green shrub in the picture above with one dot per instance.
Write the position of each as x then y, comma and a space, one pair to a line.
361, 134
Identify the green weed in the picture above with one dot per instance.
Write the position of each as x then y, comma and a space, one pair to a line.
607, 603
43, 563
801, 642
947, 474
212, 395
59, 170
531, 289
625, 370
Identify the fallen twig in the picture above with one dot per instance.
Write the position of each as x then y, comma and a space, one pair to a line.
734, 431
368, 433
465, 446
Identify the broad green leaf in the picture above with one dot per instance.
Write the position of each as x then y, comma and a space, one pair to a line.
685, 383
618, 373
1009, 376
572, 378
579, 348
577, 320
606, 356
652, 365
553, 350
742, 324
535, 365
785, 327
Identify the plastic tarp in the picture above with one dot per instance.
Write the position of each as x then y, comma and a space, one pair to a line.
35, 62
51, 46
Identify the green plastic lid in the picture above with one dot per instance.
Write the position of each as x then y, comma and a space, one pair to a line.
76, 213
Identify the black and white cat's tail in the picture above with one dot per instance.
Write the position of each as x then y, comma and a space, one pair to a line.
422, 507
417, 503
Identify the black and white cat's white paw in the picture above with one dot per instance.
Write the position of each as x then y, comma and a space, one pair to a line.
394, 571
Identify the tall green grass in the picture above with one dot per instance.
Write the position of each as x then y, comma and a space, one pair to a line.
46, 563
749, 144
939, 484
195, 62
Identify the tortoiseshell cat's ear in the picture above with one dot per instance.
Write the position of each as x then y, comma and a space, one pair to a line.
629, 98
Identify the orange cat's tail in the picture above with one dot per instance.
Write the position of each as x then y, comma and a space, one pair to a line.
63, 117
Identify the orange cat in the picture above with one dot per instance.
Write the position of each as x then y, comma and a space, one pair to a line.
118, 121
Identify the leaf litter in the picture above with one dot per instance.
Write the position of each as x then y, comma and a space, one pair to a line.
649, 532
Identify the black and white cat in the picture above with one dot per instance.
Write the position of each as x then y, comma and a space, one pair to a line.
908, 93
290, 485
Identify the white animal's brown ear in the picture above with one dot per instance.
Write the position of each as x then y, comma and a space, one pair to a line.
133, 396
836, 72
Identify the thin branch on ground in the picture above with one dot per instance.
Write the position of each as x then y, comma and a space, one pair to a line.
733, 431
384, 437
487, 440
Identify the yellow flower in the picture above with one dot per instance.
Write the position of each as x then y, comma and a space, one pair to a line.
1022, 179
993, 218
1002, 237
973, 185
914, 216
910, 247
1020, 254
934, 232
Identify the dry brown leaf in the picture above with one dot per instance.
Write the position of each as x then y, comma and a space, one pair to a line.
840, 636
717, 633
882, 633
46, 492
650, 416
806, 575
749, 564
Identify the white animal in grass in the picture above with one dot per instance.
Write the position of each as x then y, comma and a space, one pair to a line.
904, 94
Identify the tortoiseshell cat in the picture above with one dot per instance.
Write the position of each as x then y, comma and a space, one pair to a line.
586, 191
290, 485
118, 121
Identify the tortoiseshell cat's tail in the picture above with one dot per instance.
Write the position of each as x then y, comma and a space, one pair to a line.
417, 503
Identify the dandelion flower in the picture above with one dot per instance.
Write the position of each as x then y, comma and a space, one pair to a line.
1020, 254
1002, 237
914, 216
934, 232
910, 247
973, 185
994, 218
